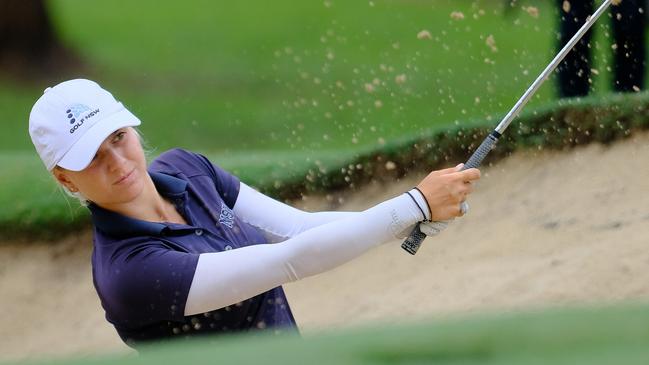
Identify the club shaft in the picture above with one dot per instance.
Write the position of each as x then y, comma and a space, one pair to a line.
553, 64
414, 240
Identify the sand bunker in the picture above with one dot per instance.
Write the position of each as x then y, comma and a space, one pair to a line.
545, 229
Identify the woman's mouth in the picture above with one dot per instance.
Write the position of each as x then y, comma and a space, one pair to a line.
125, 178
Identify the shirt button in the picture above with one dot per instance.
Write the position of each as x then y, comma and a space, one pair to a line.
199, 232
228, 248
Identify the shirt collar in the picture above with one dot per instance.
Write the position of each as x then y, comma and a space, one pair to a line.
167, 184
116, 224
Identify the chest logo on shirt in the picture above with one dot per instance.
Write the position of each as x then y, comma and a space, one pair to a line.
227, 216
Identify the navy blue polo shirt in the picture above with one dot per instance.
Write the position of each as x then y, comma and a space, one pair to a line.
143, 270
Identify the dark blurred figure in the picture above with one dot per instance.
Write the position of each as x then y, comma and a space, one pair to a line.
29, 44
628, 31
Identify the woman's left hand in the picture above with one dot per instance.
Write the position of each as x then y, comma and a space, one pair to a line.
433, 228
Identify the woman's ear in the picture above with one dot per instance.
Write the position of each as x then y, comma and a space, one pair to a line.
63, 179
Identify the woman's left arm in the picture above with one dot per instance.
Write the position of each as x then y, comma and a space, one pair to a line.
277, 220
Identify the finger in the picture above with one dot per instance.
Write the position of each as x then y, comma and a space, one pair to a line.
466, 175
468, 189
470, 175
441, 172
457, 196
461, 190
448, 170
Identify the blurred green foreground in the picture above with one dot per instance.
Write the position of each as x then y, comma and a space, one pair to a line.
618, 335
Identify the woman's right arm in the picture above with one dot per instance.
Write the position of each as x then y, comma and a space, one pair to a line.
228, 277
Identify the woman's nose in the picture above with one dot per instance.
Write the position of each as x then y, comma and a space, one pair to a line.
115, 160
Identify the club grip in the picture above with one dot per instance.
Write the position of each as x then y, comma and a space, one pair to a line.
485, 147
414, 240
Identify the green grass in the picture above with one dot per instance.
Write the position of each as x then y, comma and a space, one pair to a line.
269, 88
227, 76
612, 335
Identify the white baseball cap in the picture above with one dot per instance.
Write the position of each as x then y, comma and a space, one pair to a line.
71, 120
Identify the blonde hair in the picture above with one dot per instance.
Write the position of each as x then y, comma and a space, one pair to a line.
77, 194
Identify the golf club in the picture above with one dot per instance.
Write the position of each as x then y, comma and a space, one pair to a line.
413, 242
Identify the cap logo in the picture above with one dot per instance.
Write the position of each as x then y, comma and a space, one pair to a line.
76, 110
74, 113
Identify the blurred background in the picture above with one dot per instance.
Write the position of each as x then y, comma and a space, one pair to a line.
269, 90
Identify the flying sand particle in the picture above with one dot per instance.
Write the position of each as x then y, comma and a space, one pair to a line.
424, 34
566, 6
457, 15
533, 11
491, 42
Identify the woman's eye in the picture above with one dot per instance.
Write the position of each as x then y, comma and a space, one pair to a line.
119, 136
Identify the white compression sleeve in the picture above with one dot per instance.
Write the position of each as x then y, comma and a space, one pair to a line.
228, 277
277, 220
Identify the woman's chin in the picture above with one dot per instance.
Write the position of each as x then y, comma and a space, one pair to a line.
127, 193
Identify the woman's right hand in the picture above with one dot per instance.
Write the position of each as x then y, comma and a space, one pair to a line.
446, 189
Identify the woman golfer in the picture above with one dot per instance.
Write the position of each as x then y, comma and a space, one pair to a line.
181, 247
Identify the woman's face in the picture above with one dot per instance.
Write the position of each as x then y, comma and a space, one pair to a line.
116, 174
